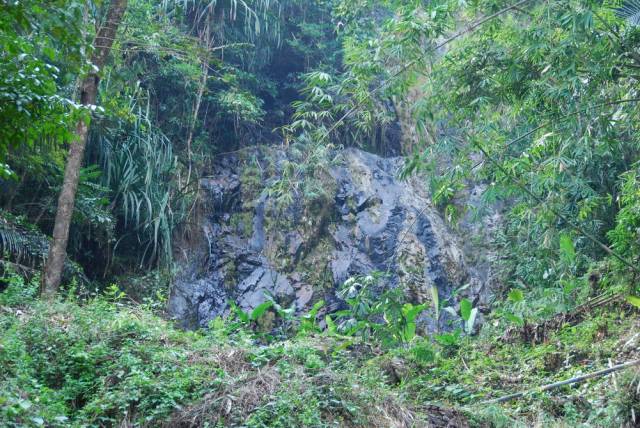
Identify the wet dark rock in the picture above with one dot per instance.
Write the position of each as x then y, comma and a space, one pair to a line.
370, 221
254, 289
295, 243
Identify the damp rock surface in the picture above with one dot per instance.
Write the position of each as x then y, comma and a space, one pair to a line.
242, 249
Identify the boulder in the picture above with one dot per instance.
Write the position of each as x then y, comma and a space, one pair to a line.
368, 221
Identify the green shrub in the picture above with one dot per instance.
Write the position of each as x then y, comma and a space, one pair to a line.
96, 364
18, 290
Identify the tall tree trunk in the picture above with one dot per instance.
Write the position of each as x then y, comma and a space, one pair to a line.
88, 92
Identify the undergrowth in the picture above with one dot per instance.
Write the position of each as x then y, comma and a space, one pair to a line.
104, 362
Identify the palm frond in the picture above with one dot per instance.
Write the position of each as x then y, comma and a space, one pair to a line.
23, 246
13, 245
254, 17
630, 11
138, 164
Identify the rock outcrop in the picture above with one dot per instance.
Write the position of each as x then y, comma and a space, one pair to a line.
368, 220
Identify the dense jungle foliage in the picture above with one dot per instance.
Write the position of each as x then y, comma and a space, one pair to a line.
524, 112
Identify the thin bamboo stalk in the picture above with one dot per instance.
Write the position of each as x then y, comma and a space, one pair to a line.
576, 379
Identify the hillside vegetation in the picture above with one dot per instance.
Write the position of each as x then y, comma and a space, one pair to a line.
378, 213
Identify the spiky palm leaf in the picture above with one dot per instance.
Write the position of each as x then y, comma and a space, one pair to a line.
254, 17
138, 164
629, 10
21, 244
13, 245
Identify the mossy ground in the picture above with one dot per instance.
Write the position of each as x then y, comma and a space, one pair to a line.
104, 362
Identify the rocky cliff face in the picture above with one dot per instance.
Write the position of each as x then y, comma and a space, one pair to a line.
367, 221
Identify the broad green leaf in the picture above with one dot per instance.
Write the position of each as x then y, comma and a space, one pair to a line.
514, 318
410, 312
465, 309
634, 300
409, 331
260, 310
